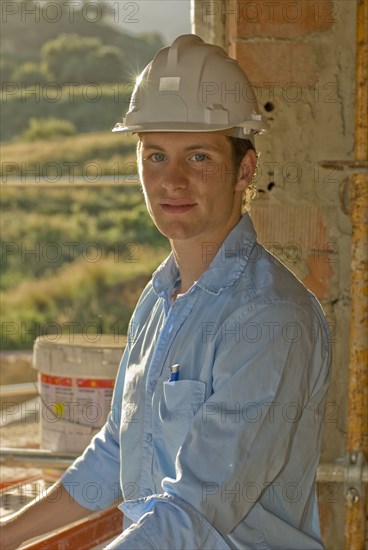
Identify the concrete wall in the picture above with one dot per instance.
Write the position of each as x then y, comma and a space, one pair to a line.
300, 55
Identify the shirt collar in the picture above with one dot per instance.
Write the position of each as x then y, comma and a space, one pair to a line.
224, 269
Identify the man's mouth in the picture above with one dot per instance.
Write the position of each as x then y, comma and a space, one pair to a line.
177, 207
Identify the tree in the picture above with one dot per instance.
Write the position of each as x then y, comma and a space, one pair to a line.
48, 128
57, 53
31, 73
109, 64
74, 58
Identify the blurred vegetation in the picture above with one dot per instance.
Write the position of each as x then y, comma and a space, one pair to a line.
91, 108
27, 25
67, 63
74, 58
48, 128
88, 155
73, 257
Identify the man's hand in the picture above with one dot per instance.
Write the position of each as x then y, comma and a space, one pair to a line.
54, 509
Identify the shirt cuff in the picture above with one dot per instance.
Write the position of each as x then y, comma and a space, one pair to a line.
165, 522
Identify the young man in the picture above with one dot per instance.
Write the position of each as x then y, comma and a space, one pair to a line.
215, 430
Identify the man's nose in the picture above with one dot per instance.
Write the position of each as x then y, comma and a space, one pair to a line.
175, 176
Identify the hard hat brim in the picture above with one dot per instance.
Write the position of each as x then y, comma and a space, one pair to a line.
186, 127
170, 127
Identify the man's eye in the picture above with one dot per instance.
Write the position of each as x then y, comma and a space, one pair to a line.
199, 157
157, 157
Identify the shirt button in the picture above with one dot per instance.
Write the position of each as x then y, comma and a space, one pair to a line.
148, 438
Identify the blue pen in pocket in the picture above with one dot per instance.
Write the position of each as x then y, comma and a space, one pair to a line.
174, 376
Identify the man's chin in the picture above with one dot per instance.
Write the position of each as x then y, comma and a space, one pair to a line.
179, 232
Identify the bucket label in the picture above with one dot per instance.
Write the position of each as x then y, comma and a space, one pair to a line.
57, 380
83, 401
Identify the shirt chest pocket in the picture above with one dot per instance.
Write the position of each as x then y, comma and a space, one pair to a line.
178, 404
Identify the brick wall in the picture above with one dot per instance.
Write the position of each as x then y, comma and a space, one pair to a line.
300, 55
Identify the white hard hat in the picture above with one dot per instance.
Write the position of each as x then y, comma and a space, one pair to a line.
192, 86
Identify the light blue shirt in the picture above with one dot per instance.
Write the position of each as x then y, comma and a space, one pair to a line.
226, 456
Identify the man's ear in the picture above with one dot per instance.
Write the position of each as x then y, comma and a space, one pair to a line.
246, 170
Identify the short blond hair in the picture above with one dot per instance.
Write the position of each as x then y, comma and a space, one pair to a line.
240, 147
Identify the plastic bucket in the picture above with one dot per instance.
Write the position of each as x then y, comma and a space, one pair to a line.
76, 379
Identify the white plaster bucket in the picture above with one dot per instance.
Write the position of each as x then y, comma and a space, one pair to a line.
76, 379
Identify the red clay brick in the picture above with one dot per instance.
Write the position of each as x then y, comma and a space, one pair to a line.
281, 63
298, 233
280, 18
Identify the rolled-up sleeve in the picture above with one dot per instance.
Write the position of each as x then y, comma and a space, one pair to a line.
164, 522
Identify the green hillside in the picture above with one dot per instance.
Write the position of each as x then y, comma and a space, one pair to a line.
83, 156
67, 63
28, 24
73, 258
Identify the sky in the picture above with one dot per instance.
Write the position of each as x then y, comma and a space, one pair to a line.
169, 17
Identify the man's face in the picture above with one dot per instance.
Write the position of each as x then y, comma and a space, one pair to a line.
189, 184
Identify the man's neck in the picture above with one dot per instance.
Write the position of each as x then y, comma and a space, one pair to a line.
191, 261
193, 258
